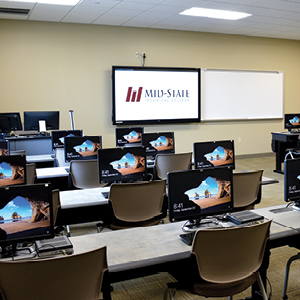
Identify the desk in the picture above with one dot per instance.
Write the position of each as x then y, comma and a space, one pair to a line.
280, 142
144, 251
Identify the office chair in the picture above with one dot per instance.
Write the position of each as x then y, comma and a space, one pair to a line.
136, 205
223, 262
31, 173
59, 158
84, 174
246, 189
73, 277
165, 163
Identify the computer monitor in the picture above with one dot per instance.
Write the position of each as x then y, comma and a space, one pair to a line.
82, 148
292, 181
159, 142
196, 194
32, 118
12, 170
129, 136
4, 148
10, 122
122, 164
214, 154
292, 122
58, 137
26, 214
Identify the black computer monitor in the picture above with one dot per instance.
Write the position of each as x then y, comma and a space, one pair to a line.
159, 142
214, 154
196, 194
58, 137
129, 136
122, 164
32, 118
26, 214
10, 122
4, 148
82, 148
292, 181
12, 170
292, 122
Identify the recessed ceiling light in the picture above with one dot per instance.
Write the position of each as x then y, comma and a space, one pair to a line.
56, 2
214, 13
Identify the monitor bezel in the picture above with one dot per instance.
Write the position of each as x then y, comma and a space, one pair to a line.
197, 155
173, 193
154, 121
33, 117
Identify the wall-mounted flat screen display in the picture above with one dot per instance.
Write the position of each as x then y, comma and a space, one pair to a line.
149, 95
82, 148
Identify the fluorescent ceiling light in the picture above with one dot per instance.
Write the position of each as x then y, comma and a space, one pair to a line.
214, 13
55, 2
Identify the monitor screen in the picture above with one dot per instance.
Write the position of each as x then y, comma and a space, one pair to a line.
129, 136
149, 95
195, 194
292, 180
214, 154
291, 121
32, 118
159, 142
58, 137
25, 213
4, 148
122, 164
10, 122
82, 148
12, 170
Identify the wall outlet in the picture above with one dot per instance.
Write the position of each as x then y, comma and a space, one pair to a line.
239, 140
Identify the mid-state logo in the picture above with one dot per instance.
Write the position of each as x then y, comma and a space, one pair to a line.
133, 95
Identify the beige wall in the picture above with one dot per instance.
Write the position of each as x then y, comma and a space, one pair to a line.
53, 66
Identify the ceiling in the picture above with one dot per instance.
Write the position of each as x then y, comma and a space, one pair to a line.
270, 18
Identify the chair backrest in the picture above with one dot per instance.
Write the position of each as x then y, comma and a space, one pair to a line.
231, 254
60, 159
55, 204
31, 173
84, 174
137, 202
73, 277
165, 163
246, 185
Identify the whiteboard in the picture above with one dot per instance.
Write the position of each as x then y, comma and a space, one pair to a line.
241, 94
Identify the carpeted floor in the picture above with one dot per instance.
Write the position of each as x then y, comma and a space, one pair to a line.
152, 287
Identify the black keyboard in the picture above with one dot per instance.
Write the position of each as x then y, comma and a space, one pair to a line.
105, 194
188, 237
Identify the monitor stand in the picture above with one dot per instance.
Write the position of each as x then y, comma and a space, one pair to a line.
195, 224
296, 205
16, 253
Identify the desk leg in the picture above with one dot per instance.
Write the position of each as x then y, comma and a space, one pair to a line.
105, 286
278, 158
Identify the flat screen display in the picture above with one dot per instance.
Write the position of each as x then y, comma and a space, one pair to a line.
25, 213
82, 148
10, 122
214, 154
4, 148
58, 137
292, 180
149, 95
158, 142
129, 136
12, 170
291, 121
122, 164
194, 194
32, 118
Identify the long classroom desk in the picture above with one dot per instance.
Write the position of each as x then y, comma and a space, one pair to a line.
145, 251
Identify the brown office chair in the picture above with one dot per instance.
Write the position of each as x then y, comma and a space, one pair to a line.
73, 277
246, 188
136, 204
31, 173
84, 174
224, 262
165, 163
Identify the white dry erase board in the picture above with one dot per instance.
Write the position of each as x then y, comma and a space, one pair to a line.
241, 94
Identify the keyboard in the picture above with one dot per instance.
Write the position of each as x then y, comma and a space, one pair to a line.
105, 194
188, 237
